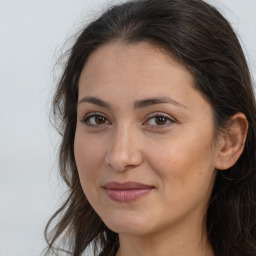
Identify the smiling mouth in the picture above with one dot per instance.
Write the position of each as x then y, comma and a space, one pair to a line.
126, 192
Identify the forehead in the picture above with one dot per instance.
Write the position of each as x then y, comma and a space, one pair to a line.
135, 71
114, 59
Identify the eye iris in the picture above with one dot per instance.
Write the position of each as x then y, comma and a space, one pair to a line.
160, 120
100, 120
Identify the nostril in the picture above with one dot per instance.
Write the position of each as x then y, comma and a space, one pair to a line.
124, 152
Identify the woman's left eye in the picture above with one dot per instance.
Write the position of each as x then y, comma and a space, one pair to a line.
160, 120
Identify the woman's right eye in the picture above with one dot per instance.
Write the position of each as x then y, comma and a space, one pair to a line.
95, 120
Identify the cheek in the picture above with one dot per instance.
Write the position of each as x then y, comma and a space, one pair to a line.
185, 164
89, 155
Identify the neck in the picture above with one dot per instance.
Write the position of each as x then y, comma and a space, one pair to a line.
177, 241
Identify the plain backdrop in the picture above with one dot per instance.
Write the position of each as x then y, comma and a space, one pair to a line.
32, 33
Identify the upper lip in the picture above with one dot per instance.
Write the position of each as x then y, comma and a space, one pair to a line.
126, 185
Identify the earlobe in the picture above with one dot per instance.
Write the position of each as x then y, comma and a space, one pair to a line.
231, 142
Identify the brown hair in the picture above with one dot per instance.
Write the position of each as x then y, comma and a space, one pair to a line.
202, 40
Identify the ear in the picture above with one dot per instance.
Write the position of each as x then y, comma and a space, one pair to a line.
231, 142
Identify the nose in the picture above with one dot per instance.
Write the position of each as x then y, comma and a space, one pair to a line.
124, 151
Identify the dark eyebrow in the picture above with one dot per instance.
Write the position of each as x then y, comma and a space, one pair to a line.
153, 101
94, 101
138, 104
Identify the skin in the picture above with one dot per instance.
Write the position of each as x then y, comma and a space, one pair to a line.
126, 143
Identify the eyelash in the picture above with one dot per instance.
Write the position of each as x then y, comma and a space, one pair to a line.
168, 121
94, 115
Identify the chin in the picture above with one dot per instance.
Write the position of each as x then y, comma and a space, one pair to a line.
129, 229
128, 224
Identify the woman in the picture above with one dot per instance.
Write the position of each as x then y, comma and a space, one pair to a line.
158, 119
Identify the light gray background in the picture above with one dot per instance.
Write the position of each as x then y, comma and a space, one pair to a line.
31, 34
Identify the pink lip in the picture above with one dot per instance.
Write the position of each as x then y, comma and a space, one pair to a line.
126, 192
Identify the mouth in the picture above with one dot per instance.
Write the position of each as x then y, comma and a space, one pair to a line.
126, 192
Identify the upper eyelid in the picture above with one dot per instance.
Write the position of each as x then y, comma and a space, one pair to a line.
166, 124
152, 115
87, 117
91, 114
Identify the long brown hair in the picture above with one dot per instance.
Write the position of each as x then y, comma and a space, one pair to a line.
200, 38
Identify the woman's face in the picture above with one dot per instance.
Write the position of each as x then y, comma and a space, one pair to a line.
144, 144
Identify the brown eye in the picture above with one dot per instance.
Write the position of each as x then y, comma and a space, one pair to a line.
100, 119
160, 120
95, 120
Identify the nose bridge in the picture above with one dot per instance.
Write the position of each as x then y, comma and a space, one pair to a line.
124, 148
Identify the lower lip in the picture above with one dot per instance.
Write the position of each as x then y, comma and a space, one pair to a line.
126, 195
